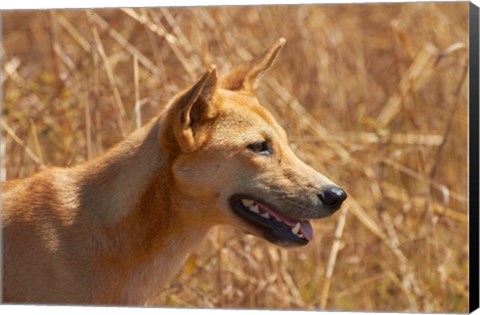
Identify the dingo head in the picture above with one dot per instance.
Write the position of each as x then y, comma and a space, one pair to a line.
232, 160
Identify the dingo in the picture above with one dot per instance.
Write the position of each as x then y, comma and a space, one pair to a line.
115, 229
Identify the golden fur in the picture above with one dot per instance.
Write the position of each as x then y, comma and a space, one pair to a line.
115, 229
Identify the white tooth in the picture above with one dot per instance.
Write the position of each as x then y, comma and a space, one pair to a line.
276, 219
265, 215
299, 235
296, 228
254, 208
247, 202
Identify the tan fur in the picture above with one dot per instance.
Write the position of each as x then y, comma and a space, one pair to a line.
115, 229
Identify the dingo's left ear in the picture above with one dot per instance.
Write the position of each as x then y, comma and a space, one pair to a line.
191, 113
247, 76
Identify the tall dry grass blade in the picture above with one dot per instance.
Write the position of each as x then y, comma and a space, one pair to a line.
153, 27
126, 45
88, 124
10, 70
136, 81
408, 171
111, 77
68, 62
3, 160
36, 142
395, 192
392, 234
94, 82
364, 218
410, 296
64, 58
359, 285
294, 291
182, 39
333, 257
459, 286
291, 285
390, 138
448, 127
19, 141
169, 38
74, 33
404, 265
451, 49
53, 36
415, 76
350, 138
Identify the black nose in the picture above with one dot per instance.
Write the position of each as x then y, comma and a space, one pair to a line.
332, 196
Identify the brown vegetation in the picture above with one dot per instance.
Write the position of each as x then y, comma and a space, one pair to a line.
374, 96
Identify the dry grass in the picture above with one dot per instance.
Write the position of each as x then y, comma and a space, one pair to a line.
374, 96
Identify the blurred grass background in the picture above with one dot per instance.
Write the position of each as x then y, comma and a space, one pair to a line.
372, 95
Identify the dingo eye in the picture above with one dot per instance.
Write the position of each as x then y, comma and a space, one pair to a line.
261, 147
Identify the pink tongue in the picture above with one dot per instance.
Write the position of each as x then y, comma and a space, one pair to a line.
305, 226
306, 229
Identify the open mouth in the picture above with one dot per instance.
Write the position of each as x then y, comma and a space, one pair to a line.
275, 227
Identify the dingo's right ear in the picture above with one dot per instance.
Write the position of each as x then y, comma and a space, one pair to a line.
247, 76
193, 110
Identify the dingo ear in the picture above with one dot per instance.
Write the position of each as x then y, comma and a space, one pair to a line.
196, 106
247, 76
